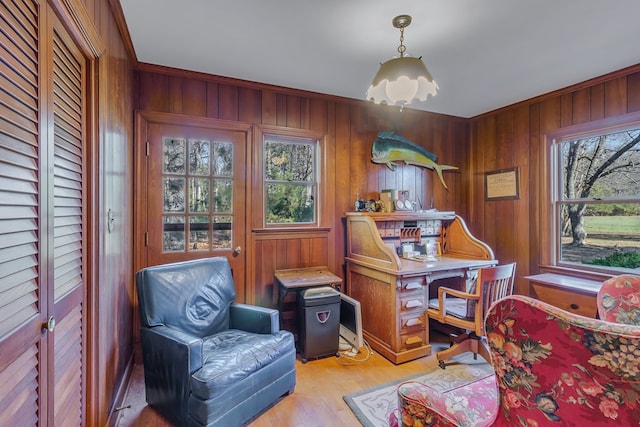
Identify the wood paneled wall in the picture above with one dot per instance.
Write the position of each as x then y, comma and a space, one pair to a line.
350, 127
111, 278
279, 250
515, 137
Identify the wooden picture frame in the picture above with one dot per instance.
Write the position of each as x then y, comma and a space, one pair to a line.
503, 184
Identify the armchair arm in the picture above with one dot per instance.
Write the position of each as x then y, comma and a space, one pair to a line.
169, 357
474, 404
252, 318
420, 404
443, 291
164, 343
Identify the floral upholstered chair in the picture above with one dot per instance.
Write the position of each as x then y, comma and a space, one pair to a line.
551, 367
619, 300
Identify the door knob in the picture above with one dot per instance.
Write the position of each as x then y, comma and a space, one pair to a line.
50, 325
237, 251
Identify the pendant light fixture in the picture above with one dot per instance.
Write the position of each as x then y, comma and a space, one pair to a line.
400, 81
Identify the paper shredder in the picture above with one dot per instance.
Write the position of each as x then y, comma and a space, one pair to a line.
319, 322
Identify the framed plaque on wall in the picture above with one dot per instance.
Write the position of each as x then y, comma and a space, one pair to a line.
503, 184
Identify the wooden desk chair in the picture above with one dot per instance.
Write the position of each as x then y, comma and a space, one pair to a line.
466, 310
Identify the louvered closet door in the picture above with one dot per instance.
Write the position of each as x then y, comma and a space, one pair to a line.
22, 292
41, 220
67, 247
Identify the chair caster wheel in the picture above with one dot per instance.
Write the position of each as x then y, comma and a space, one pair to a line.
441, 364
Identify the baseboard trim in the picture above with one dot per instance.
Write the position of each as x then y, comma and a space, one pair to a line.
121, 394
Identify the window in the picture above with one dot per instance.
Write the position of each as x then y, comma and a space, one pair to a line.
290, 179
595, 195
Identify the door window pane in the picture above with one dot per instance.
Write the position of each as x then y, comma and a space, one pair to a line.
173, 234
199, 157
174, 195
199, 233
223, 158
174, 155
198, 195
222, 195
222, 231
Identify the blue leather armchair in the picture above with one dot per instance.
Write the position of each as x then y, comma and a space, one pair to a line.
208, 360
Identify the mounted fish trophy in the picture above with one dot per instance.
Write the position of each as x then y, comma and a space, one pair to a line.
390, 148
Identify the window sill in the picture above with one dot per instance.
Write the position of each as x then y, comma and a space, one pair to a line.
566, 282
292, 229
290, 233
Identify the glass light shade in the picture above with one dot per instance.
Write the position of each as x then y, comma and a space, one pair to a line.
400, 81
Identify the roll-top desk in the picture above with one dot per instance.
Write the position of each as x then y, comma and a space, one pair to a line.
394, 291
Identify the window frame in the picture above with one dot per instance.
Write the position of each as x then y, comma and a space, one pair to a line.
260, 182
551, 199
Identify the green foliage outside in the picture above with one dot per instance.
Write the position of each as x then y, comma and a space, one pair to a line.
619, 259
618, 227
288, 203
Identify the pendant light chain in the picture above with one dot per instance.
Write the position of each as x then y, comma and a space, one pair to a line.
402, 48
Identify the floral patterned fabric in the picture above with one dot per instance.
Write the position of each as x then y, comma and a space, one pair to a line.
619, 300
552, 368
471, 405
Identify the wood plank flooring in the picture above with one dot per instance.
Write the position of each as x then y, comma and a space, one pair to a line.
317, 400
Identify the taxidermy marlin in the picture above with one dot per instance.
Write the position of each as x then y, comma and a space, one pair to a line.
390, 148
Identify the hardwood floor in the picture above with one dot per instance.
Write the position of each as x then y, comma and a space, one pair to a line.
317, 400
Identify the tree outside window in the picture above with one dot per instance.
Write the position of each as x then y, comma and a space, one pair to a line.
596, 198
290, 171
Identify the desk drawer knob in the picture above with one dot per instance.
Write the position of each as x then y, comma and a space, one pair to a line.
574, 306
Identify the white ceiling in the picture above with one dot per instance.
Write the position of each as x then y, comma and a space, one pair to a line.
484, 54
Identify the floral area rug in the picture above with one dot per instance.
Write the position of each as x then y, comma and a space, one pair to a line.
373, 405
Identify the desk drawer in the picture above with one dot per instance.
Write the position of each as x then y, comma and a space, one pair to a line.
413, 340
411, 284
412, 323
413, 303
574, 302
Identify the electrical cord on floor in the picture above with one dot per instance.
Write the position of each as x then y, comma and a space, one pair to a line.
352, 357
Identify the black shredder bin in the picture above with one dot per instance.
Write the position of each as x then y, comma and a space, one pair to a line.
319, 322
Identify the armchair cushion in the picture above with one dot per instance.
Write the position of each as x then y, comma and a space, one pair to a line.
232, 356
228, 374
